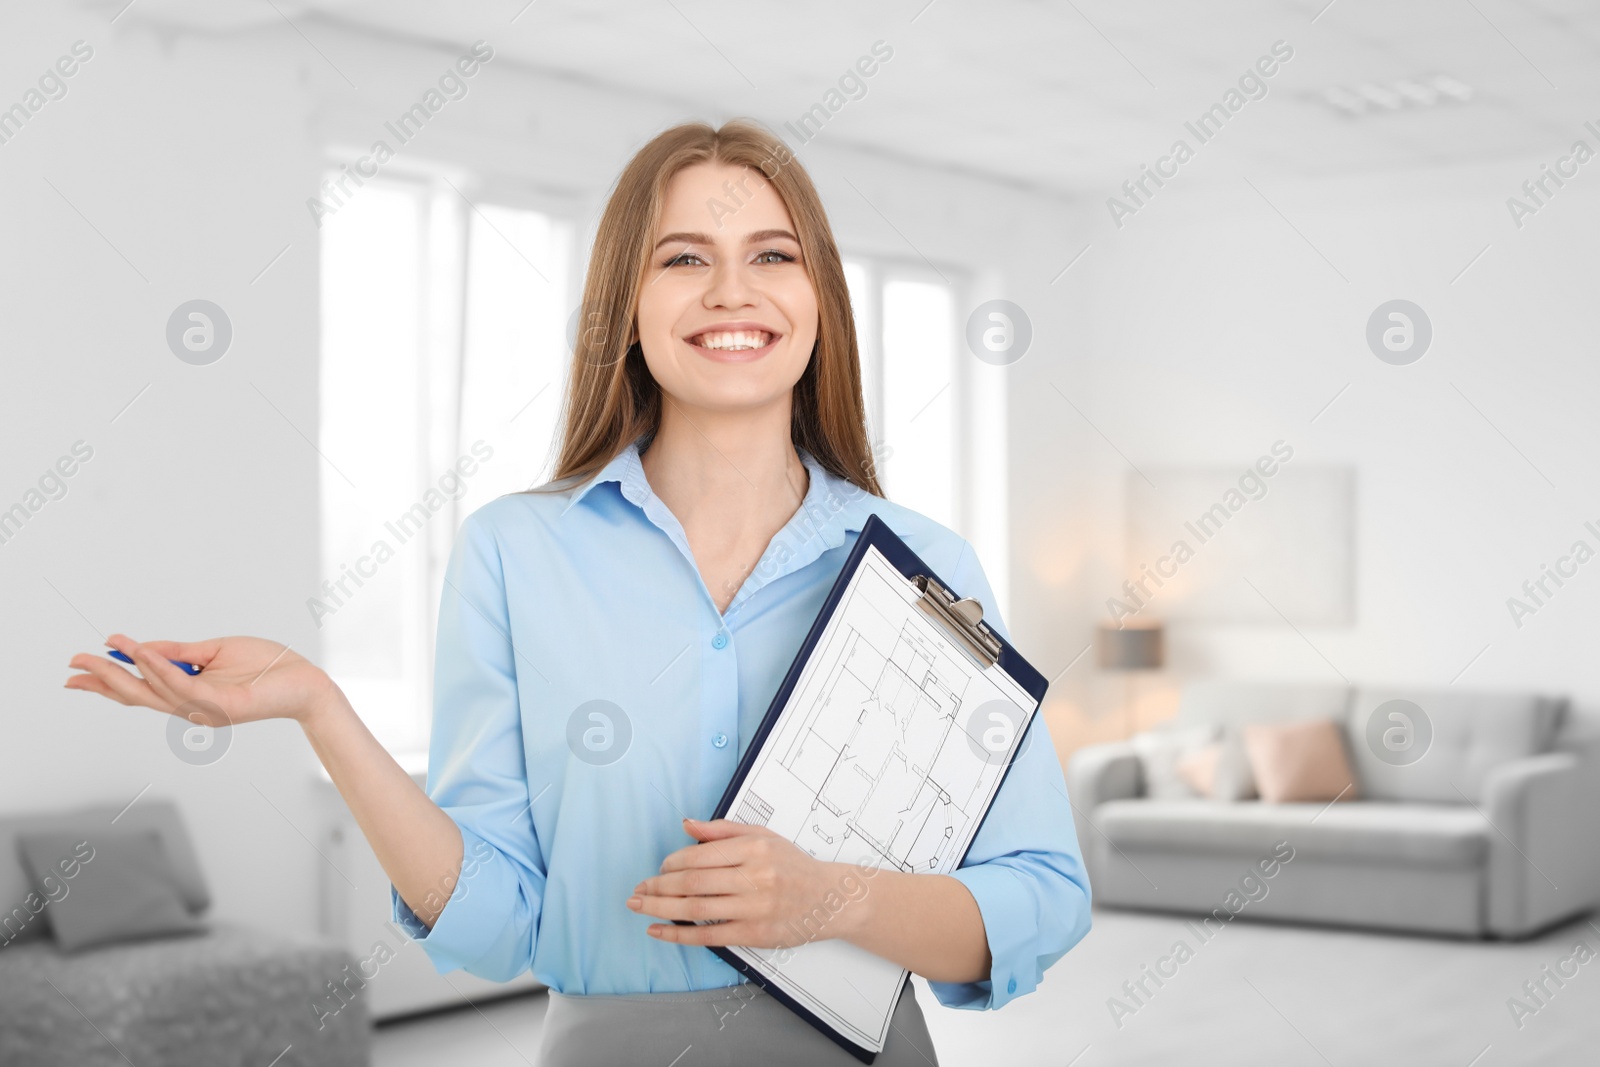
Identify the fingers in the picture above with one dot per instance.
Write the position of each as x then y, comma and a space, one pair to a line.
122, 685
700, 881
728, 853
171, 682
728, 933
721, 829
90, 684
696, 909
199, 653
726, 844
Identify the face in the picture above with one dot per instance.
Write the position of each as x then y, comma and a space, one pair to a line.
727, 313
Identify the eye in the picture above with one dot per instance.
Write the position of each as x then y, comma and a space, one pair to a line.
781, 257
683, 258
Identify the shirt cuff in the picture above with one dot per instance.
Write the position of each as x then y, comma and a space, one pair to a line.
1011, 924
468, 928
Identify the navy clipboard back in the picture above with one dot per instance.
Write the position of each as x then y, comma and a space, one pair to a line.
962, 619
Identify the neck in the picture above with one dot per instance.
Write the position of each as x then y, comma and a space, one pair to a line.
740, 468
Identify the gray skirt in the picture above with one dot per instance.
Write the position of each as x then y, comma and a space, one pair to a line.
740, 1024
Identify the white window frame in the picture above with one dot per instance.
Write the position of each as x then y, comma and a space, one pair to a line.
400, 710
979, 415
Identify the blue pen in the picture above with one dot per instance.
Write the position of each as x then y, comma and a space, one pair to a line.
190, 668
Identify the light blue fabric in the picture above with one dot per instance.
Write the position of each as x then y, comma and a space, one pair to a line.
554, 601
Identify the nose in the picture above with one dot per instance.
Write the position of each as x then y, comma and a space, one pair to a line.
728, 285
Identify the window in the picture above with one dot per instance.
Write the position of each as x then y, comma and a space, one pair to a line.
935, 414
906, 326
443, 364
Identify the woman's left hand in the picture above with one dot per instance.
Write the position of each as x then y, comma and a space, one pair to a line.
767, 892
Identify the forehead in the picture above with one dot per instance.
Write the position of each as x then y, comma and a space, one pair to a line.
723, 201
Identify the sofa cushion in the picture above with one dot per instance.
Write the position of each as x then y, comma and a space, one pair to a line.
23, 913
1462, 735
1233, 705
1300, 761
105, 886
1198, 769
1160, 750
1443, 835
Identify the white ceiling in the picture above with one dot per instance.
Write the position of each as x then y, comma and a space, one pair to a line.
1070, 97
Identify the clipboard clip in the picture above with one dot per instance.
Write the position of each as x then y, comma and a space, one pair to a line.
963, 618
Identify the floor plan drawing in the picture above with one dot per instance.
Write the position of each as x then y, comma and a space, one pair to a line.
871, 761
874, 771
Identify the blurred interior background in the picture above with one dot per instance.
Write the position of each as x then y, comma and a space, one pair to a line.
1171, 322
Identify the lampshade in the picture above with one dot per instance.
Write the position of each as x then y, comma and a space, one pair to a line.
1133, 648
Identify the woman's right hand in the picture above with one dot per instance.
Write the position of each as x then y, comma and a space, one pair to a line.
242, 679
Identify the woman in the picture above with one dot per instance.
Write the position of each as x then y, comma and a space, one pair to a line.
608, 643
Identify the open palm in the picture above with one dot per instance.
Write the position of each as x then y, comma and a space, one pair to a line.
242, 679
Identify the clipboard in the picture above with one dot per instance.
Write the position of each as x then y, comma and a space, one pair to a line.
960, 620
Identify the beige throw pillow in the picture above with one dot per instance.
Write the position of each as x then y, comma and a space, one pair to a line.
1299, 761
1198, 769
1159, 750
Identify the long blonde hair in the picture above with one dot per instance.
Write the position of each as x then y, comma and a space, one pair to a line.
611, 397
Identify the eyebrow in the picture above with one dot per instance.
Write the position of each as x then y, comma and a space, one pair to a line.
757, 237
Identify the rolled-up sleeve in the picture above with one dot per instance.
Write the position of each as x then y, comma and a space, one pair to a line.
1025, 868
477, 773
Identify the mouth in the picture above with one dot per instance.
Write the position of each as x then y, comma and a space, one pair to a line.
733, 345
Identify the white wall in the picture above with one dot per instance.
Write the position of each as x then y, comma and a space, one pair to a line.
1206, 329
193, 155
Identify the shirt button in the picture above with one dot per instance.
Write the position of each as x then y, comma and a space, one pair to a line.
720, 740
719, 641
1011, 986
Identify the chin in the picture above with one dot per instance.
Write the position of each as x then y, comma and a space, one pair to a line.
727, 396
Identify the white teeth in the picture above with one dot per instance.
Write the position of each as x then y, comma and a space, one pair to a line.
734, 340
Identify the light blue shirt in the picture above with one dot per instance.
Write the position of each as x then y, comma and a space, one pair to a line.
588, 696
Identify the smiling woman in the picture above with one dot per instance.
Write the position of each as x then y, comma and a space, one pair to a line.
609, 642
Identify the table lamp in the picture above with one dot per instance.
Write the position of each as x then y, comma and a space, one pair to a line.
1128, 649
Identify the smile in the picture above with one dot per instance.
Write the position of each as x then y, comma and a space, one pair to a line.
733, 345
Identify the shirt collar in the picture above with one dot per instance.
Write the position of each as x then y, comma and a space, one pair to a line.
832, 507
623, 468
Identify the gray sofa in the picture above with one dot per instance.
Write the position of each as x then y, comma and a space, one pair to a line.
1493, 832
227, 996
